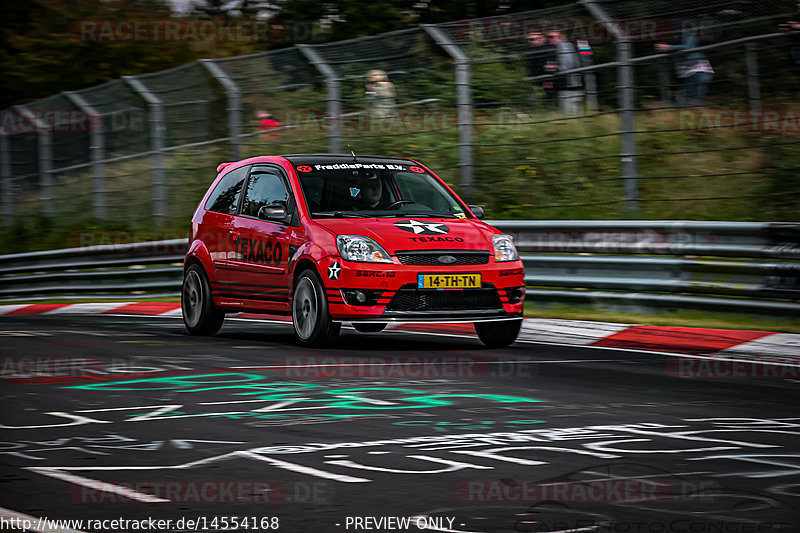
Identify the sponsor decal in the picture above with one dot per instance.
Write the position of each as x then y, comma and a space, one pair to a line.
418, 170
304, 168
356, 166
258, 251
373, 274
418, 227
436, 239
334, 270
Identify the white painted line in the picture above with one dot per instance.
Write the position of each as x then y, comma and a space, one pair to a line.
175, 312
86, 309
97, 485
304, 469
8, 514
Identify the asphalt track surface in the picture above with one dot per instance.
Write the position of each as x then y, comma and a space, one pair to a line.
143, 421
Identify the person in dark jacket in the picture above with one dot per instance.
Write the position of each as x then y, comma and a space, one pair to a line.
694, 70
569, 86
793, 25
541, 60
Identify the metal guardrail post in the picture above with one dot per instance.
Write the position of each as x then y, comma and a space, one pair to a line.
97, 151
627, 108
334, 97
753, 89
157, 133
664, 81
44, 139
627, 105
6, 205
464, 103
234, 100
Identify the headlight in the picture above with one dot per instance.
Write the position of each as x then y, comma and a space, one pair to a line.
504, 249
361, 249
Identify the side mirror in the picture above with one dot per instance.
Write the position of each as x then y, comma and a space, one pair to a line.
476, 210
274, 212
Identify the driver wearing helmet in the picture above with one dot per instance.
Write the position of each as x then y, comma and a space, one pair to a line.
370, 195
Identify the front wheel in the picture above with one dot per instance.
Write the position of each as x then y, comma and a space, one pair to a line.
498, 334
310, 316
199, 313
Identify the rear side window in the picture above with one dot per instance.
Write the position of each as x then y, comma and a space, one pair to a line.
225, 197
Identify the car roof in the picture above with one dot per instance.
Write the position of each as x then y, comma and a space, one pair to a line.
319, 159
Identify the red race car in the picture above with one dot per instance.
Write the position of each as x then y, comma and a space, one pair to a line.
329, 239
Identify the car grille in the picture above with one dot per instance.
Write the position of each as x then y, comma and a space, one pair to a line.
432, 258
409, 298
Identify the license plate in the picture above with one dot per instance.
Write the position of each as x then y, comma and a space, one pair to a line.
449, 281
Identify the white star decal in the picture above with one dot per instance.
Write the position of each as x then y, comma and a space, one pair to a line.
418, 227
333, 271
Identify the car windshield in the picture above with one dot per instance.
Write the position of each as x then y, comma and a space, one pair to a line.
356, 190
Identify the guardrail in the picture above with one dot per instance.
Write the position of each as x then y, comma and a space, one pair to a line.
736, 266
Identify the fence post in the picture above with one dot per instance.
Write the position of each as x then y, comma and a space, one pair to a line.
44, 140
234, 100
463, 102
156, 108
6, 205
334, 88
627, 108
664, 81
627, 104
97, 151
753, 89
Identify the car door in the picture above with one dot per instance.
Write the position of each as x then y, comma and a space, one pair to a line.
263, 242
216, 229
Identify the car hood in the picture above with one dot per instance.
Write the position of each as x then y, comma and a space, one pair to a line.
416, 233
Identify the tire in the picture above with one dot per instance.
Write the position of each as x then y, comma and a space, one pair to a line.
310, 314
199, 313
369, 328
498, 334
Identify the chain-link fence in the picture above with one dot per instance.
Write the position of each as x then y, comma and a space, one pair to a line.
566, 113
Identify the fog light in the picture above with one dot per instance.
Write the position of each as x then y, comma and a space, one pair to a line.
361, 297
516, 295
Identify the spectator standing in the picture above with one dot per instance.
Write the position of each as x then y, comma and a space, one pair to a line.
541, 55
380, 92
793, 25
568, 86
267, 123
694, 70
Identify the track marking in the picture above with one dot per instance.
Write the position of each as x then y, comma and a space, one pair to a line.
98, 485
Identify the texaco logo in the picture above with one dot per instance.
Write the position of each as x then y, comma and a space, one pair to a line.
334, 270
422, 228
304, 168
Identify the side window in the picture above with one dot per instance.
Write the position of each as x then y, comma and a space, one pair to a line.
264, 188
225, 197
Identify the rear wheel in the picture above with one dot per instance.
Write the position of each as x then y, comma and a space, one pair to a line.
498, 334
310, 315
369, 328
199, 313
